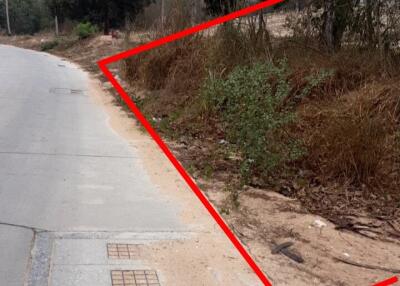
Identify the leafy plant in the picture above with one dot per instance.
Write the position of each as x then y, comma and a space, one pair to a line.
85, 30
46, 46
256, 117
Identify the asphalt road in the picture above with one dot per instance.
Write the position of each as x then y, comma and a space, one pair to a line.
62, 169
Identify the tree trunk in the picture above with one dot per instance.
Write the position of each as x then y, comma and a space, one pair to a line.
370, 24
263, 37
106, 19
329, 21
8, 19
128, 29
162, 15
56, 26
377, 13
298, 5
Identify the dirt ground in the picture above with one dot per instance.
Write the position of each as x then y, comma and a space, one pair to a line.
261, 219
266, 219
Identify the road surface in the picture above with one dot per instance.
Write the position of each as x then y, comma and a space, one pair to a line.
71, 188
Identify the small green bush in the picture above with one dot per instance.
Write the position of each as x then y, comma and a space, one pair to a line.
251, 103
85, 30
46, 46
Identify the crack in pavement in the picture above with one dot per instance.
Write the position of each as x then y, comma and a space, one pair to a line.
66, 155
33, 229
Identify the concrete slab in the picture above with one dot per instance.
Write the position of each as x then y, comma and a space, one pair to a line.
15, 245
62, 167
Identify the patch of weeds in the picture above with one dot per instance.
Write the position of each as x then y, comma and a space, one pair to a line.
191, 169
85, 30
225, 211
251, 103
233, 195
164, 124
47, 46
207, 170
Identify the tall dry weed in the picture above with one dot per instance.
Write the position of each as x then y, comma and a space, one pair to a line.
353, 137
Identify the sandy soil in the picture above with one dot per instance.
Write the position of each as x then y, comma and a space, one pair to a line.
207, 257
263, 220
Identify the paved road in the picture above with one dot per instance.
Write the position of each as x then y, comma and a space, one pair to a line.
62, 169
71, 188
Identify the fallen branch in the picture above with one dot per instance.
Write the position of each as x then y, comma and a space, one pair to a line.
284, 249
367, 266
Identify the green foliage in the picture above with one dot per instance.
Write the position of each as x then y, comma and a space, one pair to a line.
26, 16
85, 30
256, 116
218, 7
46, 46
315, 80
103, 13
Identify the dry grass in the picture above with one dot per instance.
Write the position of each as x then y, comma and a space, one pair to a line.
352, 68
349, 124
151, 70
353, 137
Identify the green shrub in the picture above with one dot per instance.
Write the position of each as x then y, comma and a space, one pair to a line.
46, 46
228, 48
85, 30
251, 102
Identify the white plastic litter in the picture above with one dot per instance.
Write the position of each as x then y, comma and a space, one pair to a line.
319, 223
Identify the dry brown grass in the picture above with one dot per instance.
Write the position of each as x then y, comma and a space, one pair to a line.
348, 124
352, 68
151, 70
353, 137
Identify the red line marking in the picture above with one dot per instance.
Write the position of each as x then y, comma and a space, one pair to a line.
387, 282
185, 176
103, 66
132, 106
189, 31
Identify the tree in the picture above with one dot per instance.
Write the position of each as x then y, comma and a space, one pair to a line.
336, 18
8, 18
23, 16
220, 7
329, 19
104, 13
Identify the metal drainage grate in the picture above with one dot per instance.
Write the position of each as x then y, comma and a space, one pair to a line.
122, 251
134, 278
66, 91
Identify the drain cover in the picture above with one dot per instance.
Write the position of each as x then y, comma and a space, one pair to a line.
122, 251
65, 91
134, 278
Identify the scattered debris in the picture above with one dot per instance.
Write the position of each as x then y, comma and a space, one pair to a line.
319, 224
284, 249
373, 267
292, 255
281, 246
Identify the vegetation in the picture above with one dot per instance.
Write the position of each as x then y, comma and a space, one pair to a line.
251, 102
103, 13
31, 16
46, 46
292, 111
26, 16
85, 30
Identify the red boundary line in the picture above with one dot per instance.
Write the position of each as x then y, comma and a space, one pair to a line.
388, 282
132, 106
